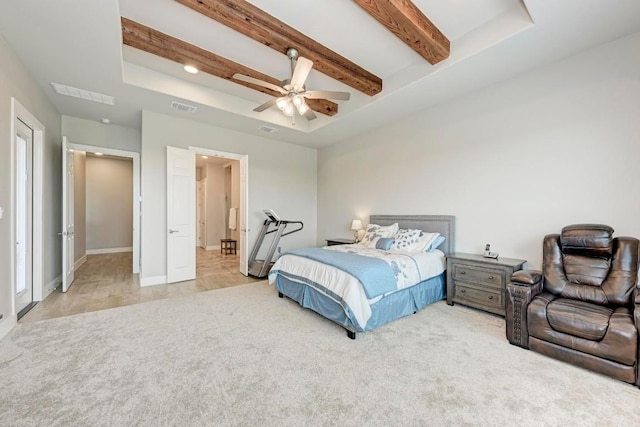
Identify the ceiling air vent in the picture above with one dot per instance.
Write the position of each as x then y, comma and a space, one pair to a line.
83, 94
183, 107
267, 129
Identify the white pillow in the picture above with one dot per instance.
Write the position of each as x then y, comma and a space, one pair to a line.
405, 239
423, 242
375, 232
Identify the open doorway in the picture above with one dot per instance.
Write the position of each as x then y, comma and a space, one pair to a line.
102, 204
217, 216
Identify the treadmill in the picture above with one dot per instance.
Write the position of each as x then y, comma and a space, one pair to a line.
273, 224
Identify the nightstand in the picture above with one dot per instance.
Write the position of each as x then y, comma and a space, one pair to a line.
480, 282
339, 241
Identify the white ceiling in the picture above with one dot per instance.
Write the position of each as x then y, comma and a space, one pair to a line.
78, 43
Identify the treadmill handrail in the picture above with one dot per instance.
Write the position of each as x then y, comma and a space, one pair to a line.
292, 231
286, 223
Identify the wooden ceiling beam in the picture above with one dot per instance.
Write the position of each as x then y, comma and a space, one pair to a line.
149, 40
410, 25
253, 22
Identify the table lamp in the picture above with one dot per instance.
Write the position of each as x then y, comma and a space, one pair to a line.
356, 226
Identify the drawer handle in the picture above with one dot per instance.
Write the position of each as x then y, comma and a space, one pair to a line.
491, 297
463, 290
463, 272
490, 277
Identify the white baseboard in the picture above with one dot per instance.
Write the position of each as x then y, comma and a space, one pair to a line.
108, 251
79, 262
154, 280
7, 323
213, 248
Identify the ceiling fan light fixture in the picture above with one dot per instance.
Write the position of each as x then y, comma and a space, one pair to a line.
298, 100
288, 110
282, 103
302, 108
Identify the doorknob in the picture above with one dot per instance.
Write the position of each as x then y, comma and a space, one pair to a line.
172, 231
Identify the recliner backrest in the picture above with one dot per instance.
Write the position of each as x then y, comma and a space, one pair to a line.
586, 263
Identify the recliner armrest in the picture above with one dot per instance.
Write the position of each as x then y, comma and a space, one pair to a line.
526, 277
524, 286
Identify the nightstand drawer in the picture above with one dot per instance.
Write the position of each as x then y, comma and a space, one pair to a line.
493, 278
479, 282
486, 299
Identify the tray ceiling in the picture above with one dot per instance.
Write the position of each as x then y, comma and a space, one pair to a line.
79, 44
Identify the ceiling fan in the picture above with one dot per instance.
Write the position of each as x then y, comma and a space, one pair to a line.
293, 90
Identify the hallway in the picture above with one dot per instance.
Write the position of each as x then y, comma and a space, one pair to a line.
105, 281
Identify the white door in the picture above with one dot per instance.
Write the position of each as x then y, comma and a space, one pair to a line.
202, 214
24, 216
68, 230
181, 215
244, 215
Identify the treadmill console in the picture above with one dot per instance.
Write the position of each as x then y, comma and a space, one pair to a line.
271, 215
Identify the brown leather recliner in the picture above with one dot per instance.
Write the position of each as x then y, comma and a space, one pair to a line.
584, 307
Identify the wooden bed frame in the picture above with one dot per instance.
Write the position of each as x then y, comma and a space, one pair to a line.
443, 224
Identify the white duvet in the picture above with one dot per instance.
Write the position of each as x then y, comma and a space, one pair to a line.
410, 268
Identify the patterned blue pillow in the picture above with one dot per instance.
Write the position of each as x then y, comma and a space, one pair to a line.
375, 232
424, 242
384, 243
405, 239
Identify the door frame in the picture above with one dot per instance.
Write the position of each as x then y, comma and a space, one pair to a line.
201, 200
19, 112
23, 219
137, 198
244, 198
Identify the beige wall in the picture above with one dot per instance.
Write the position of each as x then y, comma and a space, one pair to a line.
513, 162
109, 203
80, 205
282, 177
16, 81
217, 213
215, 204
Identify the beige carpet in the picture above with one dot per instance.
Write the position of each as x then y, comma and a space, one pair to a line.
243, 356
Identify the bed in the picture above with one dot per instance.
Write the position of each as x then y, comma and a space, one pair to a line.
364, 295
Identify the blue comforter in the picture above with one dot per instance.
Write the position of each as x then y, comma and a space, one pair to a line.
377, 277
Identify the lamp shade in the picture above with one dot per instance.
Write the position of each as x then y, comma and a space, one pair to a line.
356, 224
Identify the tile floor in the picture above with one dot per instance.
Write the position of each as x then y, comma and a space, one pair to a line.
105, 281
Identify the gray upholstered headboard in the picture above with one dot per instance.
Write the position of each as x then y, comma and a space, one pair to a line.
443, 224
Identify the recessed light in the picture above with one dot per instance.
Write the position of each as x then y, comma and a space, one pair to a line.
191, 69
98, 154
205, 157
105, 121
71, 150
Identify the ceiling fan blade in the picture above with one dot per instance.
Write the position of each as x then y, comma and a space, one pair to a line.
303, 67
268, 104
309, 114
262, 83
326, 94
